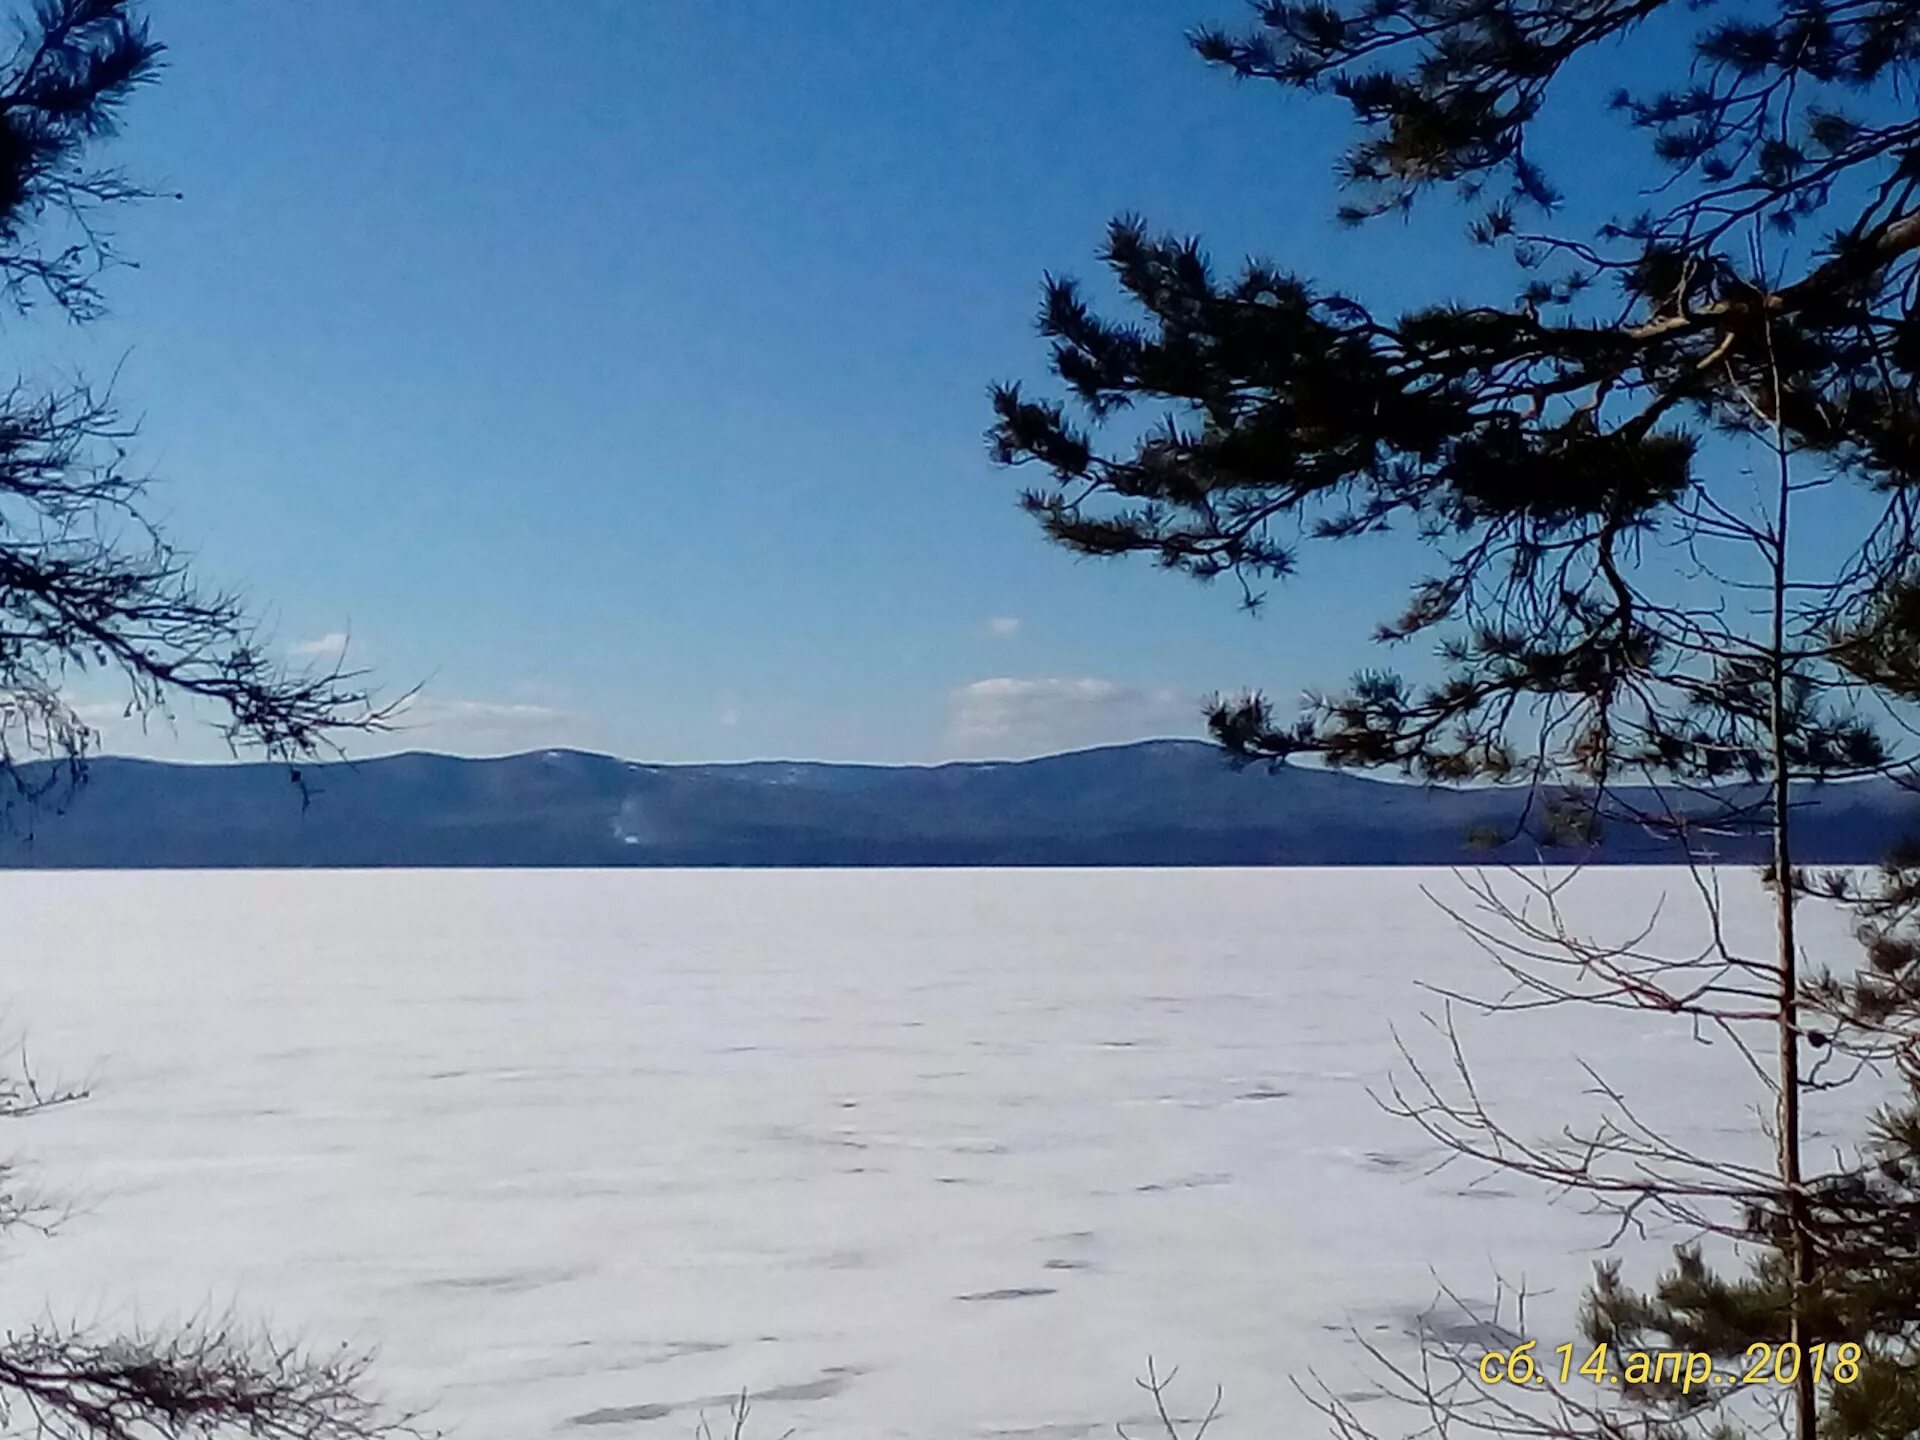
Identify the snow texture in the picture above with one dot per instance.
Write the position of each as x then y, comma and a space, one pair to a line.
903, 1153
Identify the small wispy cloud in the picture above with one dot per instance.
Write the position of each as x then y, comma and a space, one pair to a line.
461, 725
102, 712
330, 646
1006, 716
1004, 627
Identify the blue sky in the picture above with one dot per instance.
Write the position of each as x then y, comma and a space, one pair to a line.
618, 369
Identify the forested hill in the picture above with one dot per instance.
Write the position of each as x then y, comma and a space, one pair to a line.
1165, 802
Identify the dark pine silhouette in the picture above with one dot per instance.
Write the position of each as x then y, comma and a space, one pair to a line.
1667, 476
86, 583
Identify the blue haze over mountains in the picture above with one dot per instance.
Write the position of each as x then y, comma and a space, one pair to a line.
1162, 802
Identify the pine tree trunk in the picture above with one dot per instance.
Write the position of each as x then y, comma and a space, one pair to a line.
1789, 1109
1787, 954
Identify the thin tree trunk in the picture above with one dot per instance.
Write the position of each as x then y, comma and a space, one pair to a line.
1789, 1110
1788, 1117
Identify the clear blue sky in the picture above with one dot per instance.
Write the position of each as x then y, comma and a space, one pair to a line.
619, 369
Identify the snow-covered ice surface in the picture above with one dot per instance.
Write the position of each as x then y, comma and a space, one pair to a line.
911, 1154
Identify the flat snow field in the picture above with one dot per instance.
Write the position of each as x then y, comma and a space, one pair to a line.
903, 1153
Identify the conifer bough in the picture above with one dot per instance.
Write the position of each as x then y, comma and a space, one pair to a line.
86, 583
1668, 472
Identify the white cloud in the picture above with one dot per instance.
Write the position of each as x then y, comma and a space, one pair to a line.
120, 730
1004, 627
491, 727
449, 725
101, 712
1009, 717
330, 646
730, 717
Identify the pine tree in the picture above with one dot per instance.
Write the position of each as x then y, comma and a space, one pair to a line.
86, 582
1614, 467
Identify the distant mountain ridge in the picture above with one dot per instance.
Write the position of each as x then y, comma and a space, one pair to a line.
1158, 802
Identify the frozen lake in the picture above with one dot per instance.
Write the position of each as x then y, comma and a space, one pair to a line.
906, 1153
